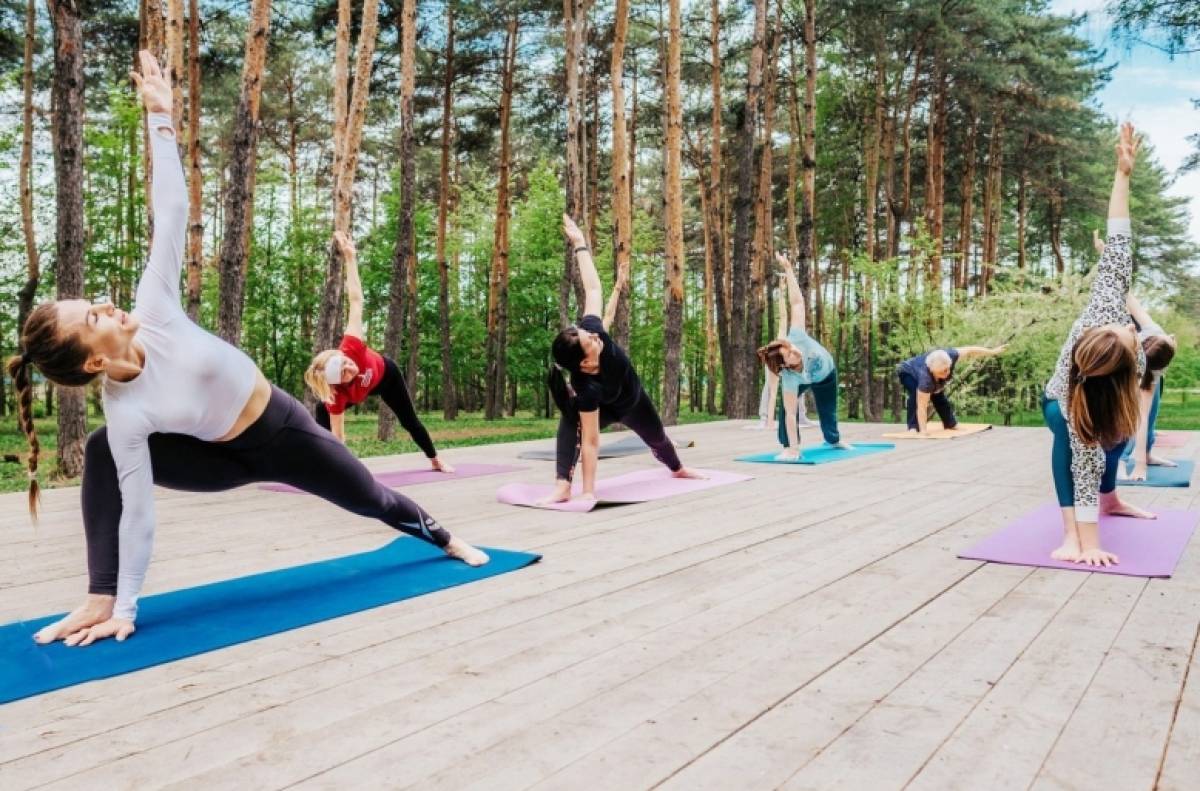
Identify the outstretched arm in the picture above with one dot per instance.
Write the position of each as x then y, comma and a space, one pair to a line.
158, 290
967, 352
354, 292
1139, 313
592, 289
795, 295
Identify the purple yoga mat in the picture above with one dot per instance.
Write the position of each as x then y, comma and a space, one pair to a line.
1145, 547
413, 477
633, 487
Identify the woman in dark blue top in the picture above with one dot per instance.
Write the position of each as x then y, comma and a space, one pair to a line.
603, 388
926, 376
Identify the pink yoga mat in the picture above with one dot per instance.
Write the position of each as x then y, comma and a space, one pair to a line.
1169, 439
1145, 547
633, 487
413, 477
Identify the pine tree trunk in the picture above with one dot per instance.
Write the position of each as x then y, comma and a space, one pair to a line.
673, 322
809, 266
740, 400
195, 257
497, 326
330, 315
871, 190
401, 301
995, 184
1022, 214
966, 213
620, 174
152, 35
714, 214
574, 18
175, 62
33, 270
239, 196
449, 400
935, 177
67, 102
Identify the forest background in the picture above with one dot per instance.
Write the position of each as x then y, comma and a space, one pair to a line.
935, 169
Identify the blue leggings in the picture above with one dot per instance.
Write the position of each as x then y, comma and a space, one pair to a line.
1129, 446
825, 394
1060, 457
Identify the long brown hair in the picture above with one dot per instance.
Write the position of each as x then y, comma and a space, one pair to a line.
771, 355
1102, 393
60, 359
1159, 353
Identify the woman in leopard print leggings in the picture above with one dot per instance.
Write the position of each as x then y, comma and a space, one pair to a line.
1091, 402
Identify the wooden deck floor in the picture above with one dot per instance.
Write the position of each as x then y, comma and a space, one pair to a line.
808, 629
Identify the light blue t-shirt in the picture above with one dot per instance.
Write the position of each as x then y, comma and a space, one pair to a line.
818, 363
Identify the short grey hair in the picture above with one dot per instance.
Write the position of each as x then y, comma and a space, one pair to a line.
939, 358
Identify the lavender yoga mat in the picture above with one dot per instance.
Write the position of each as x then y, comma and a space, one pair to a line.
633, 487
413, 477
1145, 547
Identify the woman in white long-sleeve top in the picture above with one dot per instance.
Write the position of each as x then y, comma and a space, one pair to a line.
185, 410
1091, 401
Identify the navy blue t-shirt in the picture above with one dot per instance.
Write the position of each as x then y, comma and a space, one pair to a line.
616, 387
917, 369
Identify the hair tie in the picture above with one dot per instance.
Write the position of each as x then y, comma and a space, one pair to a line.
25, 358
1081, 378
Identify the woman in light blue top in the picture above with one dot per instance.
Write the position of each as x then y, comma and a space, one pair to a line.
802, 364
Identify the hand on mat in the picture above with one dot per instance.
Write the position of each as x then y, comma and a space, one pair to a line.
684, 472
95, 609
154, 86
440, 465
788, 455
113, 627
1097, 557
1139, 472
1159, 461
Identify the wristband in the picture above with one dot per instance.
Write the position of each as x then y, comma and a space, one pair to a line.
583, 248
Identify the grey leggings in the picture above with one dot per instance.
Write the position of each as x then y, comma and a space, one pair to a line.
284, 445
642, 419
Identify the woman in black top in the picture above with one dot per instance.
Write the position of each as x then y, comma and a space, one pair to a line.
603, 388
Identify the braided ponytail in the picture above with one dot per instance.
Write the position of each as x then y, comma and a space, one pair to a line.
18, 369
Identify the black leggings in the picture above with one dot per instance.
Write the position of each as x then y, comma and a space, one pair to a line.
283, 445
941, 404
394, 391
642, 419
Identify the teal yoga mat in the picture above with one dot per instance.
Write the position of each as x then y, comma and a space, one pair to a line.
1164, 476
823, 454
196, 620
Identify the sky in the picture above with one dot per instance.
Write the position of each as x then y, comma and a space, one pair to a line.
1151, 90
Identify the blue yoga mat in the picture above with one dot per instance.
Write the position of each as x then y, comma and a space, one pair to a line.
196, 620
823, 454
1164, 476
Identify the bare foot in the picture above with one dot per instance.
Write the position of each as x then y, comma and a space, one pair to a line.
96, 609
1097, 557
788, 455
1113, 505
561, 494
843, 445
1159, 461
461, 550
441, 466
684, 472
1069, 551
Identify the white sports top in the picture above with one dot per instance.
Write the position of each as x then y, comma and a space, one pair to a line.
192, 382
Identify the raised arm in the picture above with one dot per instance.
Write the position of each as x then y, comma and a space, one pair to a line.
1115, 270
1139, 313
593, 291
967, 352
158, 291
795, 295
354, 292
782, 309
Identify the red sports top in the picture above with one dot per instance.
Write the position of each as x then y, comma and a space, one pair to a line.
370, 372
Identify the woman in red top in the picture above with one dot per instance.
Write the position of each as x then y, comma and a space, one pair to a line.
345, 376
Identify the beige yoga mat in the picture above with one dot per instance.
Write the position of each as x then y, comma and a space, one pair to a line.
935, 431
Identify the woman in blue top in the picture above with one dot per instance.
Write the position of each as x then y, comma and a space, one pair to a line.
926, 376
802, 364
1159, 348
